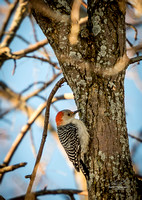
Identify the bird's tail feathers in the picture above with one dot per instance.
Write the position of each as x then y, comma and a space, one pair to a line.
84, 169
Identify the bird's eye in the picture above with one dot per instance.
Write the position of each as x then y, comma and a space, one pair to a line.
69, 114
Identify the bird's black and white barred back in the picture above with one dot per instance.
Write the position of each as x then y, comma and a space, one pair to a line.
70, 141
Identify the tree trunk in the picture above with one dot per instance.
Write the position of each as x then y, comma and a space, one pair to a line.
101, 42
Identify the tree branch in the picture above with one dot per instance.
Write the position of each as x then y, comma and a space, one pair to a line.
30, 49
135, 59
12, 8
41, 89
11, 168
68, 192
136, 138
5, 52
75, 27
58, 84
18, 18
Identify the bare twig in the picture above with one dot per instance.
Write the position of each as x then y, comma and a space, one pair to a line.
42, 88
12, 8
139, 176
136, 48
19, 36
11, 168
31, 48
33, 27
14, 68
18, 18
83, 20
61, 97
31, 85
5, 53
68, 192
44, 60
58, 84
45, 54
135, 59
134, 148
75, 27
136, 138
136, 32
130, 44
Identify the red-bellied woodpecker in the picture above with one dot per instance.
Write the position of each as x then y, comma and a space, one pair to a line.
74, 138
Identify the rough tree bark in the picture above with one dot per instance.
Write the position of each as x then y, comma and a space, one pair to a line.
101, 42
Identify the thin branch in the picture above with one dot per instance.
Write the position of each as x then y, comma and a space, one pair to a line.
14, 68
136, 138
33, 27
2, 114
31, 48
19, 36
30, 86
18, 18
136, 48
5, 53
44, 60
27, 42
136, 32
41, 89
68, 192
12, 8
12, 167
58, 84
135, 59
130, 44
139, 176
61, 97
83, 20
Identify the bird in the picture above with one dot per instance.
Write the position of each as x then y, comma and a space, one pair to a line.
74, 137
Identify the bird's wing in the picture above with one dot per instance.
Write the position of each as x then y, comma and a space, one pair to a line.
69, 139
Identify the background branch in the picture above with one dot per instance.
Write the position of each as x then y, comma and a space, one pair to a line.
11, 168
68, 192
18, 18
12, 8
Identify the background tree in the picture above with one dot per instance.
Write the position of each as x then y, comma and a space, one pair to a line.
92, 55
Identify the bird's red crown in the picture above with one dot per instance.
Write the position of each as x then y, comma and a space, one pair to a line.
59, 118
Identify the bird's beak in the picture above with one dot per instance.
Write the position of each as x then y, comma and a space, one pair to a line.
76, 111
